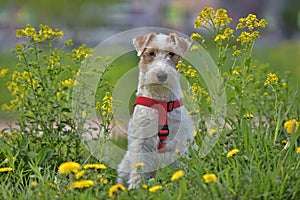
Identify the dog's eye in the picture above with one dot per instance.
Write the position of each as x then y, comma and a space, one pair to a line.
152, 54
171, 54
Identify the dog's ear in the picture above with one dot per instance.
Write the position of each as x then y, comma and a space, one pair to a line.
182, 45
141, 42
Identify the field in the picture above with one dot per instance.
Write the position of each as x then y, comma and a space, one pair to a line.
253, 153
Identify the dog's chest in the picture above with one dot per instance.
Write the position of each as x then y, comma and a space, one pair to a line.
144, 122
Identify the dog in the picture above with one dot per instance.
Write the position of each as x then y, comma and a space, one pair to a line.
160, 127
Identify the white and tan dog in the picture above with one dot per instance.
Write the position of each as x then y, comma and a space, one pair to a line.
160, 127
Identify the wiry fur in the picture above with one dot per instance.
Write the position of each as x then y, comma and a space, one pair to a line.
159, 80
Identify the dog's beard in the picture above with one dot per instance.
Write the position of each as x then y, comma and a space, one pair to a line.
160, 91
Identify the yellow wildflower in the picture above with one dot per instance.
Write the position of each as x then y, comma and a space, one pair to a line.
298, 149
155, 188
94, 166
82, 184
83, 114
235, 72
68, 167
177, 175
246, 37
144, 186
79, 174
6, 169
139, 165
208, 16
248, 116
232, 153
213, 132
208, 178
102, 180
34, 184
291, 126
227, 34
271, 79
195, 35
194, 47
3, 72
68, 82
114, 189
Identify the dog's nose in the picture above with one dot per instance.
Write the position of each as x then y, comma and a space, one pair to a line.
162, 76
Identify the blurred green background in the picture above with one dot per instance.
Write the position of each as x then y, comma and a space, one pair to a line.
92, 21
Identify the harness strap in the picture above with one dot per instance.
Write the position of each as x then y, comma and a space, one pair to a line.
163, 108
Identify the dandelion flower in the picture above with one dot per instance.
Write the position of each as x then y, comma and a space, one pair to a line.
82, 184
68, 167
114, 189
155, 188
208, 178
177, 175
139, 165
232, 153
6, 169
144, 186
291, 126
94, 166
79, 174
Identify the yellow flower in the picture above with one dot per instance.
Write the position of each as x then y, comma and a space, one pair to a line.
227, 34
213, 132
195, 133
79, 174
232, 153
195, 35
291, 126
82, 184
102, 180
271, 79
284, 84
139, 165
144, 186
6, 169
68, 82
34, 184
177, 175
194, 47
208, 178
235, 72
94, 166
68, 167
208, 16
155, 188
83, 114
246, 37
249, 116
3, 72
114, 189
298, 149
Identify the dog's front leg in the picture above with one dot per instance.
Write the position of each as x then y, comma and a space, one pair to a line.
145, 154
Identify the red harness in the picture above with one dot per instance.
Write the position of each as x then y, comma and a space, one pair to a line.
163, 108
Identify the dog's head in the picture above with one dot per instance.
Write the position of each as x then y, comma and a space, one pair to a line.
159, 55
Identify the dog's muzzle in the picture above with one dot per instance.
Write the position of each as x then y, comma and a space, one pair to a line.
162, 76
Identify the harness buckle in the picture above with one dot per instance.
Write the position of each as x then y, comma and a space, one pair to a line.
170, 106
